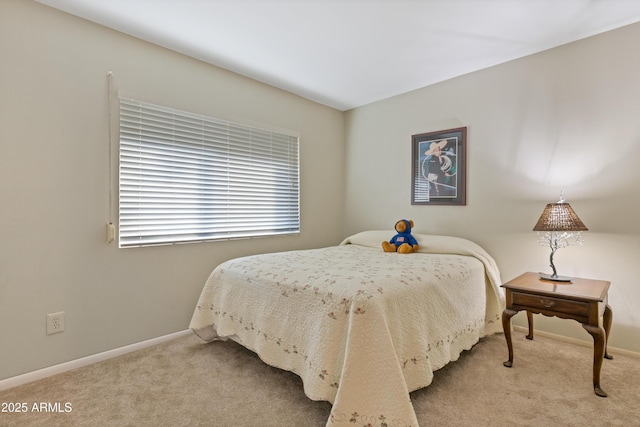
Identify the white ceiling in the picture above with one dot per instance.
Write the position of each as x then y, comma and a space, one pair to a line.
348, 53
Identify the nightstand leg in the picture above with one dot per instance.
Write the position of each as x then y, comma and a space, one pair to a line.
599, 342
607, 318
530, 321
507, 314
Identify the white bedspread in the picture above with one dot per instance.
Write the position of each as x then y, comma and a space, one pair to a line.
361, 327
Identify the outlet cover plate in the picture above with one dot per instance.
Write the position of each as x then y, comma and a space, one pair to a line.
55, 323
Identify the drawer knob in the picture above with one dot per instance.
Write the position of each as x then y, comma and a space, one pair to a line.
547, 303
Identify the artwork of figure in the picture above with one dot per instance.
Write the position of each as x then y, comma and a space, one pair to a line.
439, 168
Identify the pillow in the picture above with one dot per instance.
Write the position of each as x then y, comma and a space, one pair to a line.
371, 238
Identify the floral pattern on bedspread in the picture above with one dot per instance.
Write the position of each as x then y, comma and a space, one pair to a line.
361, 327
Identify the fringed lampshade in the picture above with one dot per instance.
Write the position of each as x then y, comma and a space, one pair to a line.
559, 217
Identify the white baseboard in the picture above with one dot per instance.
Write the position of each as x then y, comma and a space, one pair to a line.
576, 341
84, 361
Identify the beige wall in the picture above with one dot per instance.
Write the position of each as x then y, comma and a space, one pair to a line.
54, 168
565, 119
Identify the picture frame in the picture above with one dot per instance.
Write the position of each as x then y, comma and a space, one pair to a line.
439, 167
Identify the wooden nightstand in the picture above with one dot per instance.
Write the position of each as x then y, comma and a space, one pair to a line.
583, 300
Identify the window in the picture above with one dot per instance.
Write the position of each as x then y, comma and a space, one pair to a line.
190, 178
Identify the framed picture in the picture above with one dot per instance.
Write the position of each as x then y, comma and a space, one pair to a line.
439, 167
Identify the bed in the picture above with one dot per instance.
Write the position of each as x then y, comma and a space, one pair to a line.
361, 327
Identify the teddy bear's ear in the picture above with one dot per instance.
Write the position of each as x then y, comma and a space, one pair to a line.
411, 222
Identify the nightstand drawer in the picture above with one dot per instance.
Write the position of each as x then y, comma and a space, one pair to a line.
540, 302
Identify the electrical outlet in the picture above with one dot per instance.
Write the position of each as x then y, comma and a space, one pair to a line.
55, 323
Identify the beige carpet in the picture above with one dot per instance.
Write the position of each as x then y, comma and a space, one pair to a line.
187, 383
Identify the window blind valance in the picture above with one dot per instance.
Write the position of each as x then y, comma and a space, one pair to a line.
186, 177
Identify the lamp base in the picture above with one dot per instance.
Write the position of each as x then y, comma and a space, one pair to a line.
554, 278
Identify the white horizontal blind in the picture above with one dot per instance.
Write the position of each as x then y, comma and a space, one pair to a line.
189, 178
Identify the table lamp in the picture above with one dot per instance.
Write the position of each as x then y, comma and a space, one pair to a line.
562, 228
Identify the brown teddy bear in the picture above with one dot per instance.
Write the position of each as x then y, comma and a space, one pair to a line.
403, 242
